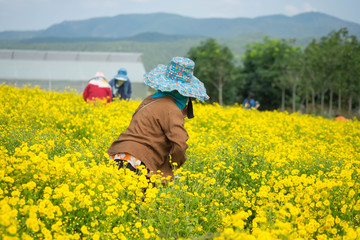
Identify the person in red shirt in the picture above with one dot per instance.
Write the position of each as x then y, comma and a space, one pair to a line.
97, 89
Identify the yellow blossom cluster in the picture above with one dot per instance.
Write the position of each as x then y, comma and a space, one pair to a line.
249, 174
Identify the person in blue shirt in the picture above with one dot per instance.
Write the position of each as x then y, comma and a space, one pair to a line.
250, 102
121, 85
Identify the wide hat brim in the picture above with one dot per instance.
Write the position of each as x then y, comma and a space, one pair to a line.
121, 77
157, 79
119, 82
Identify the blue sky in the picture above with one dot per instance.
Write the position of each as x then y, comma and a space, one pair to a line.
40, 14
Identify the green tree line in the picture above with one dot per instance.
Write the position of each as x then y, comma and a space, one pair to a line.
321, 78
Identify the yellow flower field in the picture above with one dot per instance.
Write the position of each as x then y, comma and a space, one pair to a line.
249, 174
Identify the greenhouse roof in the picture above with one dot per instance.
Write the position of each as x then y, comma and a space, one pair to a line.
67, 65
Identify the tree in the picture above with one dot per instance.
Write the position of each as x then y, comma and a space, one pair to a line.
268, 72
215, 66
334, 58
295, 72
351, 69
313, 70
331, 68
286, 62
257, 63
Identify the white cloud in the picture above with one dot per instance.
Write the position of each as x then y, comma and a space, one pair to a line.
291, 10
309, 8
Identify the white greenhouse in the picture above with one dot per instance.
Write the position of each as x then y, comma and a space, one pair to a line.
58, 70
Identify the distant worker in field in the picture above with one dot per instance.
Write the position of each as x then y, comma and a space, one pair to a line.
250, 102
156, 137
121, 85
340, 118
97, 89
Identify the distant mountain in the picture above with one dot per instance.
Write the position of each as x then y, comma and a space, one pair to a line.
153, 52
19, 34
159, 37
142, 37
141, 26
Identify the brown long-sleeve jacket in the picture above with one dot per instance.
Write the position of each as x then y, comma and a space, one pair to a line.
155, 133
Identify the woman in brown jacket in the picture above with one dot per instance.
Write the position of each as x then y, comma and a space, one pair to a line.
156, 130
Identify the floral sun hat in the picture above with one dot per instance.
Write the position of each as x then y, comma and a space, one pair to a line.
177, 75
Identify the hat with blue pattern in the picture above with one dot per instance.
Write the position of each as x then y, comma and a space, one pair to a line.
177, 75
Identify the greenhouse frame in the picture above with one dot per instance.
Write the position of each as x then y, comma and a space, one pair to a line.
61, 70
